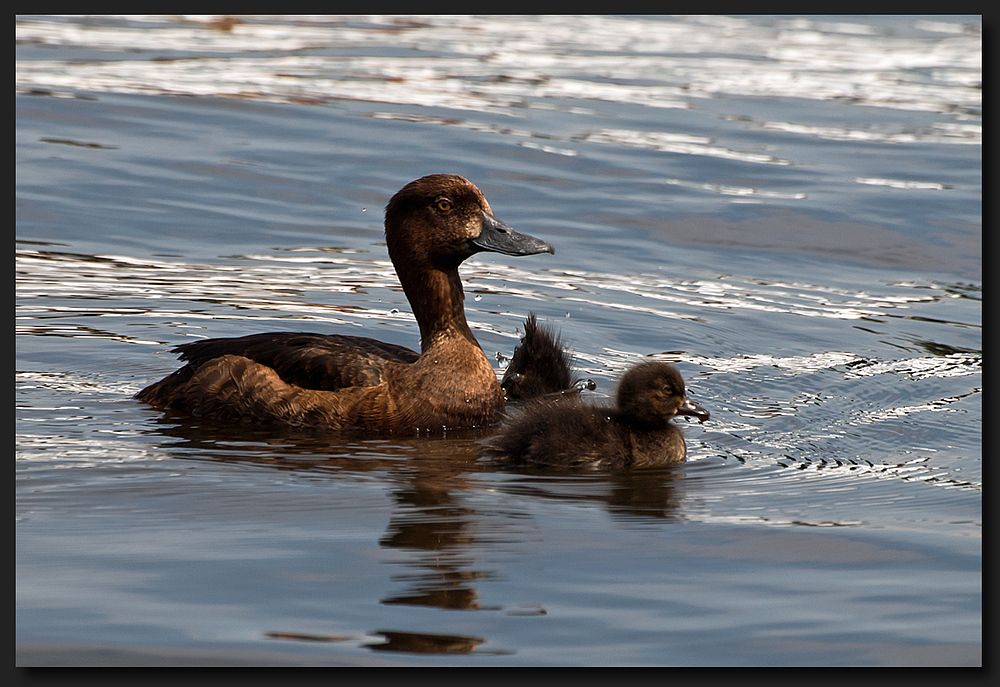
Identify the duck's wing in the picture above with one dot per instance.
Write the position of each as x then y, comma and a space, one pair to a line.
310, 361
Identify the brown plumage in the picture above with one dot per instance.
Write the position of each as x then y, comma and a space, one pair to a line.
431, 226
540, 365
637, 432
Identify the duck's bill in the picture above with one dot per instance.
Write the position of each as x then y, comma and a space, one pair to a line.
693, 409
497, 237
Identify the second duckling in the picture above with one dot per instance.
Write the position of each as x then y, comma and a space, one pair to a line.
540, 365
638, 432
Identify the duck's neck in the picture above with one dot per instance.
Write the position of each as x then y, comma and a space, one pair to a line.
438, 303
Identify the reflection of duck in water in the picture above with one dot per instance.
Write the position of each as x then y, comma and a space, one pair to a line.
540, 365
425, 643
431, 226
637, 432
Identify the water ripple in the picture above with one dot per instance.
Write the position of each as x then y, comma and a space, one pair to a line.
533, 61
288, 284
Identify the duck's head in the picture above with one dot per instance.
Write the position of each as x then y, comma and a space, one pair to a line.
650, 394
443, 219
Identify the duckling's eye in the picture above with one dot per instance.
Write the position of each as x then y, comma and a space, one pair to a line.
668, 390
443, 205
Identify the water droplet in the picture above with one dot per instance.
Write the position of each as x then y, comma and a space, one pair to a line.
479, 297
394, 311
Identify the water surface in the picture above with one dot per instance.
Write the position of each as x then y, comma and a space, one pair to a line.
788, 208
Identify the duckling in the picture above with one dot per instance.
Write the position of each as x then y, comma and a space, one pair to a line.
637, 432
336, 381
540, 365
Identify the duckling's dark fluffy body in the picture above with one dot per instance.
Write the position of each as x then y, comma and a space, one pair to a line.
638, 432
332, 381
540, 365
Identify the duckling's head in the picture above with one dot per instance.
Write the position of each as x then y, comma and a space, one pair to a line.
442, 219
652, 393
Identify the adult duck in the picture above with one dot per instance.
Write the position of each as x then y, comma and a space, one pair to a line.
336, 381
638, 432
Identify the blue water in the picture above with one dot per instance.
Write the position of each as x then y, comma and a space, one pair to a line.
788, 208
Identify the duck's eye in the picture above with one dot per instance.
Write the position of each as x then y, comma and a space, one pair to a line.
668, 390
443, 205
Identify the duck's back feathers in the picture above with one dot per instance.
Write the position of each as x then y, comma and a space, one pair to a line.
312, 361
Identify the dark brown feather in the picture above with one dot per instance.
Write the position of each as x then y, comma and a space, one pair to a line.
432, 225
572, 433
540, 364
